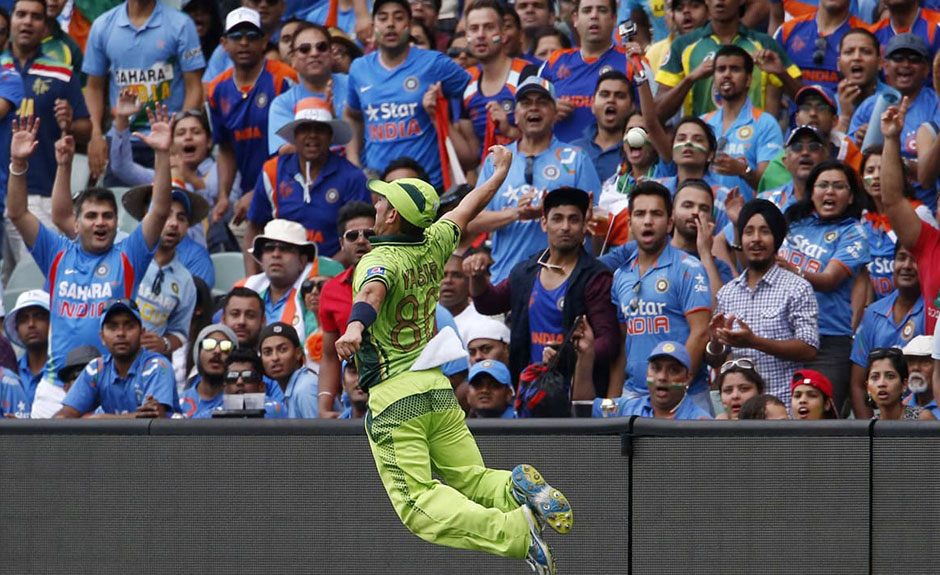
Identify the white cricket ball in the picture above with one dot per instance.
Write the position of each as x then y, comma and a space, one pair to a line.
636, 137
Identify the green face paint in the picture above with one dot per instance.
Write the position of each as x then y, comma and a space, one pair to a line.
689, 144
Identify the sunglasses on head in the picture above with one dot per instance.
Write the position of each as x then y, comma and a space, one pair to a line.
885, 353
247, 375
322, 47
353, 235
742, 363
210, 344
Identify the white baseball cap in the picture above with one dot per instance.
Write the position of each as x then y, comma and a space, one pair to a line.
240, 16
31, 298
920, 346
485, 327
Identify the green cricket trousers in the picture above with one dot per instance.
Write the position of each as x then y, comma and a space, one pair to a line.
416, 427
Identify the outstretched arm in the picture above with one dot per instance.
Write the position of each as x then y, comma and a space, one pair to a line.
900, 212
159, 138
62, 214
474, 202
22, 146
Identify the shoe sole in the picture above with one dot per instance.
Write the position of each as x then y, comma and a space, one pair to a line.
550, 505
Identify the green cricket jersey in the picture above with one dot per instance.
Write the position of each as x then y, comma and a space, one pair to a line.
690, 50
412, 270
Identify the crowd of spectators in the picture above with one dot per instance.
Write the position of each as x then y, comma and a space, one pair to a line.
717, 209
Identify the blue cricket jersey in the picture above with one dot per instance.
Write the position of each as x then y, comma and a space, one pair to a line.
473, 103
619, 255
166, 298
575, 79
396, 124
301, 395
241, 117
14, 397
100, 385
877, 328
654, 308
811, 244
559, 165
545, 317
643, 407
150, 60
754, 136
925, 108
282, 108
799, 36
80, 284
197, 260
281, 193
192, 406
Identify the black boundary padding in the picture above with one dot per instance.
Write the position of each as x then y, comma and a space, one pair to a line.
905, 429
645, 427
293, 427
75, 426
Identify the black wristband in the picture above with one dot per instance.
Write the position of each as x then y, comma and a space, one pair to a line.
363, 313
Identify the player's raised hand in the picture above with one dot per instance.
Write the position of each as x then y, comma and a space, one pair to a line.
24, 141
160, 137
64, 150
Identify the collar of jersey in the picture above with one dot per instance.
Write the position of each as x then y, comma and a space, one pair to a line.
664, 259
152, 21
396, 239
707, 30
888, 313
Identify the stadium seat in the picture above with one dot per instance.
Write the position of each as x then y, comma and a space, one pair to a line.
26, 276
229, 268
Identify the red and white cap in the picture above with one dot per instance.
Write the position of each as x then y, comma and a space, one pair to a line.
316, 110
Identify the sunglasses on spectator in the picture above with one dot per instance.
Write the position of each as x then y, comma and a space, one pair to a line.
837, 186
271, 246
808, 146
742, 363
210, 344
909, 57
248, 376
321, 47
251, 35
635, 301
353, 235
311, 284
457, 52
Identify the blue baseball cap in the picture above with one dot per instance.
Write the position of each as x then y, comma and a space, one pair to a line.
535, 84
496, 369
120, 304
672, 349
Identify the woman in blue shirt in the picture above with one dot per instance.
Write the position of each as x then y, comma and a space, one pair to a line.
827, 245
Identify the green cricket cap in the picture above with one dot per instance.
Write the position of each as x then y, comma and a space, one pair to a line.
416, 200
